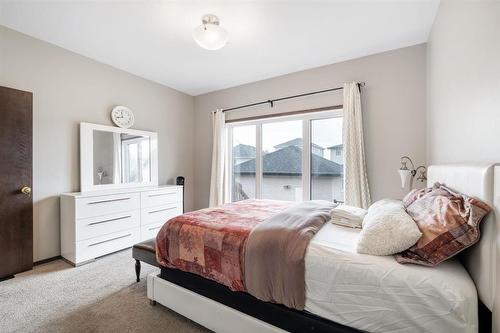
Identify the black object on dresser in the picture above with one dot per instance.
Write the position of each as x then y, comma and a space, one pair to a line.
180, 181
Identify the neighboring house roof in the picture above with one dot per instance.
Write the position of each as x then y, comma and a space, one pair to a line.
295, 142
336, 146
288, 161
242, 150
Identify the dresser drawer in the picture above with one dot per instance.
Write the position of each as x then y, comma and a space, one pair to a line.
106, 204
161, 197
106, 224
99, 246
150, 231
160, 213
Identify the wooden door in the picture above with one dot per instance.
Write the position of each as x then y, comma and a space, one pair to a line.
16, 207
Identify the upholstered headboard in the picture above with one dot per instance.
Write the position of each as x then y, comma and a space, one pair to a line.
480, 260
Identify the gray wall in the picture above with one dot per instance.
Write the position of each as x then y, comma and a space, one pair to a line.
464, 90
393, 106
68, 89
463, 56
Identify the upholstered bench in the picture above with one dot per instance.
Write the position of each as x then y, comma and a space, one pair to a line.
146, 252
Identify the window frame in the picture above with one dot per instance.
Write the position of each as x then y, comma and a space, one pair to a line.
306, 146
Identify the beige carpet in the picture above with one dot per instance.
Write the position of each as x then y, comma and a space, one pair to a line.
98, 297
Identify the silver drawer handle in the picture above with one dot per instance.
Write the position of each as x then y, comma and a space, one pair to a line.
110, 220
161, 210
104, 201
109, 240
158, 227
157, 195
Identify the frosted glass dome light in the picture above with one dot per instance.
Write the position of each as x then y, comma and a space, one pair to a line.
210, 35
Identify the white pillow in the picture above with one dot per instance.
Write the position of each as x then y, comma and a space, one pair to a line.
387, 229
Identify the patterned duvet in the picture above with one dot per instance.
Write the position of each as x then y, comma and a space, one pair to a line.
211, 242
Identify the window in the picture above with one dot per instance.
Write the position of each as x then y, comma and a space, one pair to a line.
135, 159
282, 160
243, 162
290, 158
327, 174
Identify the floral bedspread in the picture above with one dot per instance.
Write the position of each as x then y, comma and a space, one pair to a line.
211, 242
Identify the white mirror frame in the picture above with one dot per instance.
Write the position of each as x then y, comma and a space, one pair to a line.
87, 157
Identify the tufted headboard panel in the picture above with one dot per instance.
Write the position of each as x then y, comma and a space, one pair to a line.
479, 260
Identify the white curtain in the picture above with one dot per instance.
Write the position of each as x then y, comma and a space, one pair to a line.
117, 158
356, 189
219, 184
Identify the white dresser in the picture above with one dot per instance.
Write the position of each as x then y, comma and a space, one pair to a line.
97, 223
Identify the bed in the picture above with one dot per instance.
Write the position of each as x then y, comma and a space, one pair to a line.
349, 292
376, 294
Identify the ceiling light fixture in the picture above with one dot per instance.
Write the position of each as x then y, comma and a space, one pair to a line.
210, 35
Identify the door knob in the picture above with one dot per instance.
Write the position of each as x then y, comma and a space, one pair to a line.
26, 190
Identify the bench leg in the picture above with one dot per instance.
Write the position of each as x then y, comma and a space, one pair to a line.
138, 270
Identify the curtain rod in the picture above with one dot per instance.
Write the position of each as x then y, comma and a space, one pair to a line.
271, 101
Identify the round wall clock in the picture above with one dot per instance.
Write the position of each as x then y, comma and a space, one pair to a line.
122, 116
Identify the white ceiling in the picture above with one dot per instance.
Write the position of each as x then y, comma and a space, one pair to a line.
152, 39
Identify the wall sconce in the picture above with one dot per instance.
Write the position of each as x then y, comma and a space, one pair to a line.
407, 175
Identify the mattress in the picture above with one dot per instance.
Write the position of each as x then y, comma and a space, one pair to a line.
376, 294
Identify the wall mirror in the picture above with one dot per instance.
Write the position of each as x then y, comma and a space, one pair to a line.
113, 157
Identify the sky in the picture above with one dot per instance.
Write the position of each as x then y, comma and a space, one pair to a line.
324, 132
